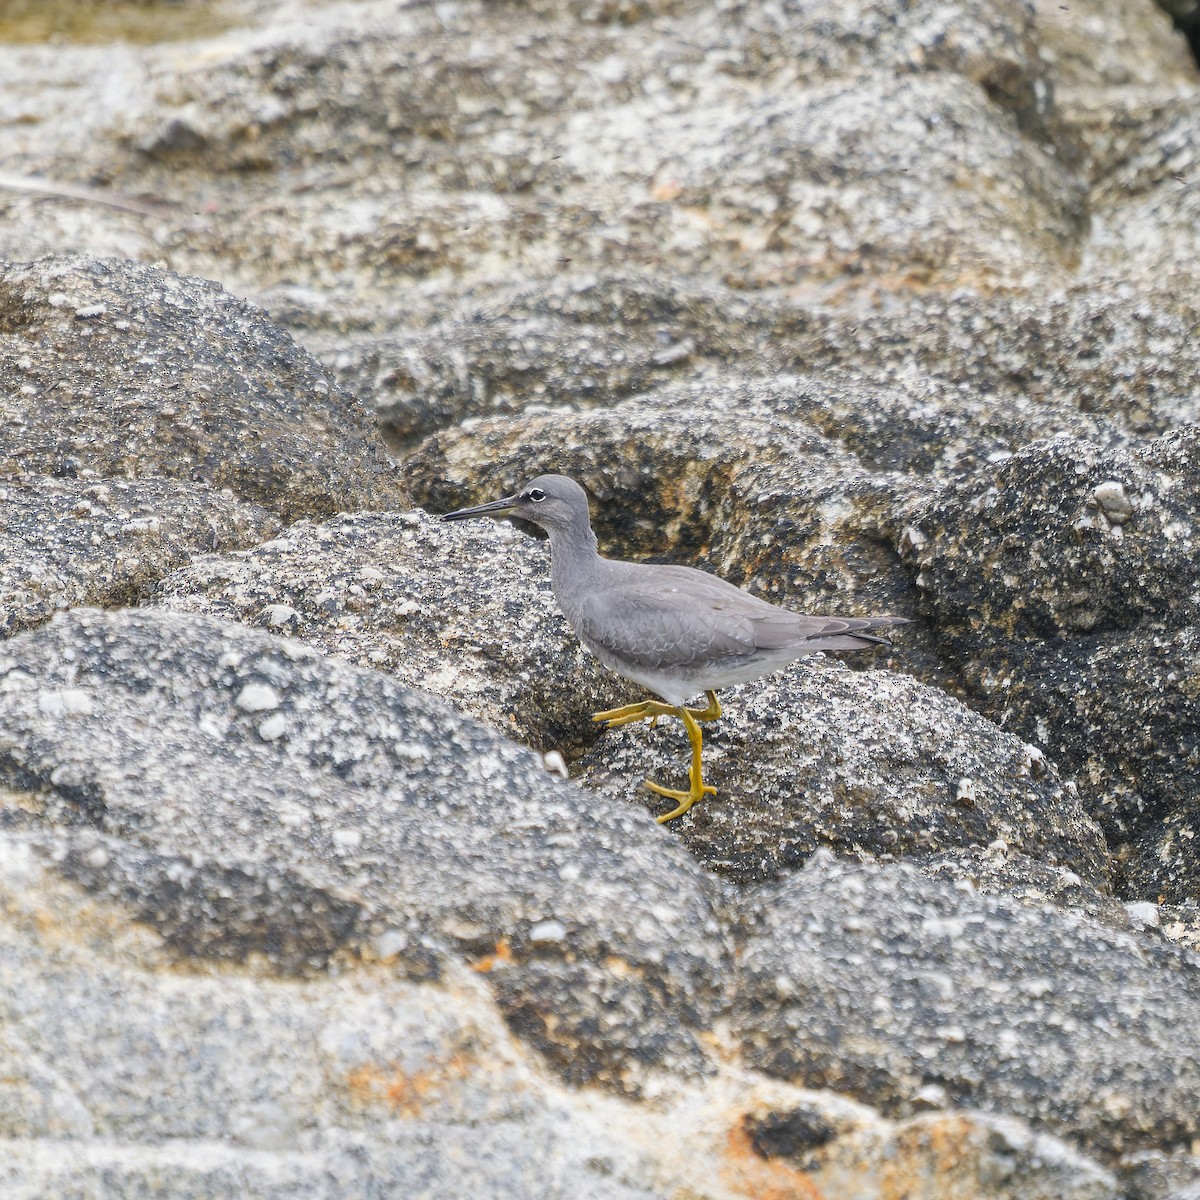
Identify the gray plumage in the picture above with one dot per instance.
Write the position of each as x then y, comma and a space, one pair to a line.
675, 630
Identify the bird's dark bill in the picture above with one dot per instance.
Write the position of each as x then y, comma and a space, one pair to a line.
495, 508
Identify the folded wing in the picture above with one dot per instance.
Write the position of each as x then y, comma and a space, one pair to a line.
682, 616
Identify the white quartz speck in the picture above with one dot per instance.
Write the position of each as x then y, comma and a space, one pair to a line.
551, 930
142, 525
947, 927
553, 761
15, 680
1008, 1044
1111, 497
1143, 914
390, 943
412, 751
347, 839
273, 728
279, 614
65, 702
257, 697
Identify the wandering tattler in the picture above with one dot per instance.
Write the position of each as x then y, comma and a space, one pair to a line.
675, 630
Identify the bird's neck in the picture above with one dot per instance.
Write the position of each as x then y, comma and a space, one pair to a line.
573, 557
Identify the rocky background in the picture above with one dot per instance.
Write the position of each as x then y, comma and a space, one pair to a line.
316, 880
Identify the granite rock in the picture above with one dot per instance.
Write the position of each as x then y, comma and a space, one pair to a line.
116, 370
1070, 613
128, 1074
879, 981
869, 764
742, 491
364, 1082
1059, 540
780, 282
68, 541
246, 796
895, 387
463, 612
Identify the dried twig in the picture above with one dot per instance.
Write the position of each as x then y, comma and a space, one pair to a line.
77, 191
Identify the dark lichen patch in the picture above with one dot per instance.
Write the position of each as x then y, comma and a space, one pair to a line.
794, 1133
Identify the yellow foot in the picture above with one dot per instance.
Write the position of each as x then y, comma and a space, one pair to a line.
653, 709
615, 717
634, 712
685, 800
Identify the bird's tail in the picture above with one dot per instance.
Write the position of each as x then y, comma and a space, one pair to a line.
858, 633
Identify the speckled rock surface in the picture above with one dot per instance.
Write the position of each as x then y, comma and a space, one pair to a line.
742, 491
1091, 352
581, 341
464, 612
148, 418
865, 763
1074, 625
879, 981
870, 764
890, 386
1153, 1173
1119, 712
118, 370
933, 1155
125, 1073
389, 1085
998, 870
792, 286
157, 850
794, 151
245, 796
1064, 540
638, 129
65, 542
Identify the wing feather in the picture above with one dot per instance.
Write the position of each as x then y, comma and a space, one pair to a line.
675, 617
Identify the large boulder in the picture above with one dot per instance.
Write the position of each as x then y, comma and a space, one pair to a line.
245, 796
1063, 585
117, 370
868, 764
880, 982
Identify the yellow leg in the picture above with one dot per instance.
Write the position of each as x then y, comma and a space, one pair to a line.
613, 717
709, 713
698, 788
654, 709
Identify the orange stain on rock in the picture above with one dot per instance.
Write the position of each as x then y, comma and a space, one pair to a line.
942, 1150
501, 954
405, 1092
747, 1173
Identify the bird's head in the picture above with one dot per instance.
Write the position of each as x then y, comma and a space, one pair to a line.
552, 502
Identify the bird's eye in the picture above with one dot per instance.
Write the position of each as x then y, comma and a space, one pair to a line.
536, 495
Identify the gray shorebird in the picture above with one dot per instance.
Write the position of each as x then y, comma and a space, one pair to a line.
675, 630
